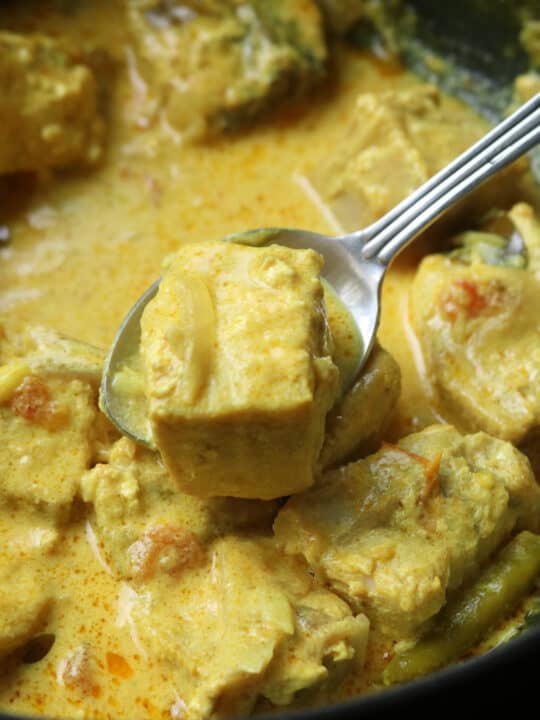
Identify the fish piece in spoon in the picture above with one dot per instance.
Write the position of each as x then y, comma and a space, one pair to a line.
238, 372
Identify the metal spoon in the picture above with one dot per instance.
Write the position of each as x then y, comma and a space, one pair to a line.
355, 264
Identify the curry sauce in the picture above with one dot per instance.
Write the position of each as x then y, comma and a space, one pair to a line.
142, 601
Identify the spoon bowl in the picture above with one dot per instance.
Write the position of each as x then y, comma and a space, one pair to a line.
355, 264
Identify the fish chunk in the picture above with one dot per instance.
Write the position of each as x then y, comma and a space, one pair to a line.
48, 105
393, 533
477, 322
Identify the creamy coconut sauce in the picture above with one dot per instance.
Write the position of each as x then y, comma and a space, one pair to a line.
84, 245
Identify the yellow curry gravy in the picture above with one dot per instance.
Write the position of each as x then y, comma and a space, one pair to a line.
84, 245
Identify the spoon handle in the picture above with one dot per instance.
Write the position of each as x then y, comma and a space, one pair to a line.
505, 143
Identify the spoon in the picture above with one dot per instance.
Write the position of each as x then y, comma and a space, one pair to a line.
354, 264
